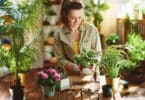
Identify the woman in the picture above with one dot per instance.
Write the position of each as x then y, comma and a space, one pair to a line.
74, 36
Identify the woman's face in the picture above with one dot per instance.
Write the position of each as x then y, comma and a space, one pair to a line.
75, 17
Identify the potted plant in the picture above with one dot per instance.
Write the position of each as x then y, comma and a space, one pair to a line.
48, 79
53, 59
135, 48
52, 17
113, 61
64, 82
50, 38
86, 60
112, 39
18, 51
94, 9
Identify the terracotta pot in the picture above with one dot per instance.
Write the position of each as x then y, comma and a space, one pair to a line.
53, 60
50, 40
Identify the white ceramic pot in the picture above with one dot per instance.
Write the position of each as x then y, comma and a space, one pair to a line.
48, 48
47, 56
52, 20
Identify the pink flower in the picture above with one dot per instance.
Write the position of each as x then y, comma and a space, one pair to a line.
51, 71
48, 77
42, 75
57, 77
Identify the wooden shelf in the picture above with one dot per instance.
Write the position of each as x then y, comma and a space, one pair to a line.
124, 28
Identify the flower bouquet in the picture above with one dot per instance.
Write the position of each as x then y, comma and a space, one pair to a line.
48, 79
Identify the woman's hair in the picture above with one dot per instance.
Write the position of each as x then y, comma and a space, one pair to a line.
68, 5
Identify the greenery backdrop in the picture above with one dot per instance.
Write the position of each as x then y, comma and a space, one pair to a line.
20, 34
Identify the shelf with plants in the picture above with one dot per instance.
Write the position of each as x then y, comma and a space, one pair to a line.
48, 55
50, 20
51, 13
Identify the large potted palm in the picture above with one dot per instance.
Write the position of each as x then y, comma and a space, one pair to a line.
19, 47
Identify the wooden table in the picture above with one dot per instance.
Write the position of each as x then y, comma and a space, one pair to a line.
81, 87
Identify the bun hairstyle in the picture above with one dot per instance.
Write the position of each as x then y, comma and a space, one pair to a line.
68, 5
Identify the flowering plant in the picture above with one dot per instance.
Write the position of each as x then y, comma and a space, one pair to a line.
47, 77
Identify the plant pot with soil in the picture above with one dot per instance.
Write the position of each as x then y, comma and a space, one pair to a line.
87, 60
113, 62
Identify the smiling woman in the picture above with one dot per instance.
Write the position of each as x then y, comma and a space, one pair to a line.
74, 36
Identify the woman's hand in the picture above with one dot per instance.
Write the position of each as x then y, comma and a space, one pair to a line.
72, 67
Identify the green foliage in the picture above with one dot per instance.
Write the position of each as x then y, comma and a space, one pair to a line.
51, 33
112, 38
51, 13
135, 46
93, 9
113, 60
126, 57
86, 58
48, 77
48, 8
20, 41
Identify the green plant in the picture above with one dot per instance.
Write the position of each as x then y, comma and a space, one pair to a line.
48, 77
135, 47
51, 33
51, 13
113, 60
48, 8
86, 58
20, 41
94, 9
112, 38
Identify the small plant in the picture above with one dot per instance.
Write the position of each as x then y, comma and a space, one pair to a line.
51, 33
112, 39
113, 60
51, 13
86, 58
48, 77
93, 8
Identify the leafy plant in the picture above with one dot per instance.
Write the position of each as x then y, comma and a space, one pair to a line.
94, 9
113, 60
19, 46
48, 77
48, 8
112, 39
51, 13
51, 33
135, 47
86, 58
